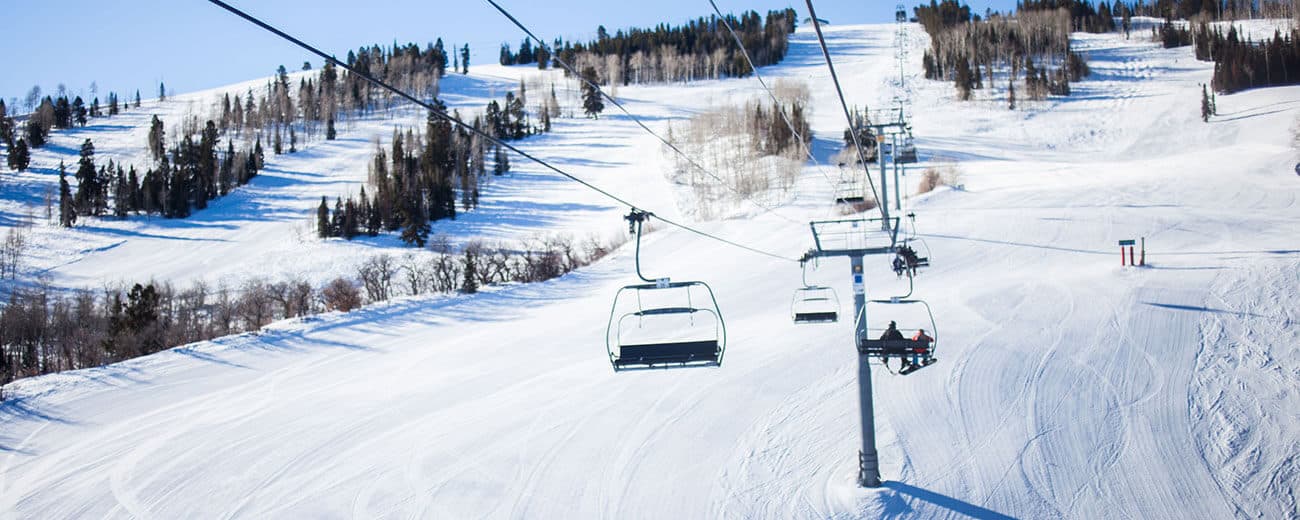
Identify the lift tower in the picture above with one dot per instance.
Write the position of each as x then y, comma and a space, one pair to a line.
857, 239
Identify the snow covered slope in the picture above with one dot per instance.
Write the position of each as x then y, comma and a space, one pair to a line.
1067, 387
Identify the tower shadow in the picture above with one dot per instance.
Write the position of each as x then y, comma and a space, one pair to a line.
952, 504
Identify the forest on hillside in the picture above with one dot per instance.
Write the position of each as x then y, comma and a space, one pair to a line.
699, 49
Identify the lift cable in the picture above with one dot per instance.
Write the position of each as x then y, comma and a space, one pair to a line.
862, 156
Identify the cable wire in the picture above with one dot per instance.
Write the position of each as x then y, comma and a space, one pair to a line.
862, 156
556, 56
451, 119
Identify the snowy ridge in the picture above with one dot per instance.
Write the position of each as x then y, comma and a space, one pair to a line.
1068, 386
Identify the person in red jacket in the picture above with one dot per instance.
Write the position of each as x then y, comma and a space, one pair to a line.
924, 340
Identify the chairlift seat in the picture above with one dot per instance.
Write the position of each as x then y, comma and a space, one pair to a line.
816, 317
893, 347
649, 355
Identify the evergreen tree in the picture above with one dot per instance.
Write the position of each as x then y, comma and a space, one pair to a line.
469, 283
415, 225
351, 225
329, 130
464, 59
67, 211
121, 195
157, 139
323, 219
592, 103
87, 180
137, 98
79, 111
336, 218
19, 156
162, 91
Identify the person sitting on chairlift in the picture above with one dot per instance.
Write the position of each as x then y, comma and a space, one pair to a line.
892, 332
899, 266
908, 255
924, 340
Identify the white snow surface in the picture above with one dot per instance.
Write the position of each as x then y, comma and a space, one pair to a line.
1067, 385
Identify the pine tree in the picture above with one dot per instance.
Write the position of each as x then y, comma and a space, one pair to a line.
351, 224
323, 219
162, 91
121, 195
79, 111
20, 157
469, 283
67, 212
415, 225
592, 103
157, 139
87, 180
137, 98
464, 59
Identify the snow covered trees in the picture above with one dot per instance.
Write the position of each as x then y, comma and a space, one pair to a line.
970, 52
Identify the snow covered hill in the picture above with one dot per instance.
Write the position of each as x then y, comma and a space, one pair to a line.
1067, 387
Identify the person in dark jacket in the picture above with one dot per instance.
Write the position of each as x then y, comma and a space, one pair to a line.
892, 332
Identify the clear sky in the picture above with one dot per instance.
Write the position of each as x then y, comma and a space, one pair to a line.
192, 44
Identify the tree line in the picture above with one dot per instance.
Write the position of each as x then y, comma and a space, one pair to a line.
699, 49
971, 51
43, 330
1239, 62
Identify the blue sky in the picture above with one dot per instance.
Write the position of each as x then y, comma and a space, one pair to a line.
192, 44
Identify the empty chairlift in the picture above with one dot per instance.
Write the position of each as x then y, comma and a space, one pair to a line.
665, 324
906, 152
814, 303
662, 323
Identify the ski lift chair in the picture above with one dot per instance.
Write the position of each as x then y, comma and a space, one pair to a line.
815, 304
850, 190
906, 152
913, 353
665, 324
